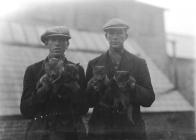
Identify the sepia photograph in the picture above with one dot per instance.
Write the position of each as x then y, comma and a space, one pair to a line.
97, 70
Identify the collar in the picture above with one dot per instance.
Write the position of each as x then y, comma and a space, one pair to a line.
114, 52
47, 58
61, 58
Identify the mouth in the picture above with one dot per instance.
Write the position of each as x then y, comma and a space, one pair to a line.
56, 50
115, 43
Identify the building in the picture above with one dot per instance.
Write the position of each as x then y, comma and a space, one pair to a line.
171, 115
182, 54
146, 21
19, 48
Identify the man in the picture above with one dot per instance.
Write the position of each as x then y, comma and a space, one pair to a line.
109, 119
53, 91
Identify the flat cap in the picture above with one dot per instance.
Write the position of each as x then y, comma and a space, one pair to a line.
55, 31
115, 23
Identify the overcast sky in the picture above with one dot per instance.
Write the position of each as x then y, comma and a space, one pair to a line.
179, 14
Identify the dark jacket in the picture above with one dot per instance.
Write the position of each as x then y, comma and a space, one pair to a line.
53, 115
110, 124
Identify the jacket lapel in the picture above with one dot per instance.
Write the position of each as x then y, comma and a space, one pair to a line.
42, 71
127, 63
104, 60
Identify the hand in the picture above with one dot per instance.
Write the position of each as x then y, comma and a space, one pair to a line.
42, 87
91, 84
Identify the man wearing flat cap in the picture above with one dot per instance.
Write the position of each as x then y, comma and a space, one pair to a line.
53, 91
125, 86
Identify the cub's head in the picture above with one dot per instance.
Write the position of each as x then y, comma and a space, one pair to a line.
99, 72
121, 78
99, 79
71, 72
54, 68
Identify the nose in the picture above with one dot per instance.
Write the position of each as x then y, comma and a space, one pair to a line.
115, 37
57, 47
56, 42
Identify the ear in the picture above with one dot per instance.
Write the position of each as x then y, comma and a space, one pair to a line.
46, 42
126, 36
67, 45
106, 35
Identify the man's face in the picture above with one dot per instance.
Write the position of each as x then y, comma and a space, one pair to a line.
57, 45
116, 37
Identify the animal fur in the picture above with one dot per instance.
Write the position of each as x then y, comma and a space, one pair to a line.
117, 96
99, 79
63, 77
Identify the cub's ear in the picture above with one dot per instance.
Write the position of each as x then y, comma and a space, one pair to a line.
106, 80
46, 67
77, 66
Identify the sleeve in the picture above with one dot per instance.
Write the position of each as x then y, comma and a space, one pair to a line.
80, 104
29, 101
144, 93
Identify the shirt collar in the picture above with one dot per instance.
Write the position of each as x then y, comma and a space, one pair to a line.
120, 52
47, 58
62, 58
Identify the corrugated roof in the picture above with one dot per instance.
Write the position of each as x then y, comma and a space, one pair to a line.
14, 60
185, 45
167, 98
169, 102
